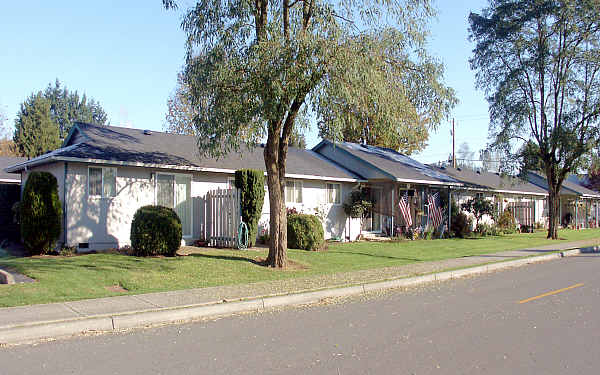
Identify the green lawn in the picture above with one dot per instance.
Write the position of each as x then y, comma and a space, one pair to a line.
87, 276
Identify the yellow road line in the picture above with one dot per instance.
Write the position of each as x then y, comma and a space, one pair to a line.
551, 293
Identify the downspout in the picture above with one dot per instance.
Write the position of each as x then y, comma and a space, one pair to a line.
65, 206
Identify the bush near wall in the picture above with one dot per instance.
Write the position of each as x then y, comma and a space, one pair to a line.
155, 230
305, 232
507, 223
41, 213
251, 183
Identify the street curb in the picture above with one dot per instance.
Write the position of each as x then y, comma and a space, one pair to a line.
27, 333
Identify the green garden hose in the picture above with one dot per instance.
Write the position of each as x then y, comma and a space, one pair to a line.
242, 239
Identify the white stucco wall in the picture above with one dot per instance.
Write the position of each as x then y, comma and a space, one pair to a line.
106, 222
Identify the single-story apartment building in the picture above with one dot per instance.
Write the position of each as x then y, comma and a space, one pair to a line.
527, 201
391, 176
579, 206
106, 173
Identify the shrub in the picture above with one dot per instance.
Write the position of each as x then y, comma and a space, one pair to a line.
305, 232
155, 230
251, 183
461, 225
485, 229
358, 204
479, 207
40, 213
507, 223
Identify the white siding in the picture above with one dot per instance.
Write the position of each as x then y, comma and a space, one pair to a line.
106, 222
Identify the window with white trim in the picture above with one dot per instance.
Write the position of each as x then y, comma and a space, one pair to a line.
334, 193
102, 182
293, 191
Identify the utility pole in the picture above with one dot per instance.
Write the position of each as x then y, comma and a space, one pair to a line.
453, 146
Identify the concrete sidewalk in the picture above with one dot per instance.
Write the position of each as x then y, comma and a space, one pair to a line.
30, 323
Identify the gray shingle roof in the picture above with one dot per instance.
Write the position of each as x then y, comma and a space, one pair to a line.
491, 181
569, 186
6, 161
117, 144
393, 163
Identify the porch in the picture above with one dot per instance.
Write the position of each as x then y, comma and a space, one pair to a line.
388, 218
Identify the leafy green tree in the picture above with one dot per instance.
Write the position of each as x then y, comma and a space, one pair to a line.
66, 107
370, 115
479, 207
181, 112
255, 67
538, 61
35, 132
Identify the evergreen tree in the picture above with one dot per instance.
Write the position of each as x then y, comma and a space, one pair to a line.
35, 132
66, 107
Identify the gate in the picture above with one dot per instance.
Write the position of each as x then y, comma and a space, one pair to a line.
524, 214
223, 207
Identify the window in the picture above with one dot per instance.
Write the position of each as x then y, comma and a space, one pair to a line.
334, 195
102, 182
479, 195
293, 191
174, 191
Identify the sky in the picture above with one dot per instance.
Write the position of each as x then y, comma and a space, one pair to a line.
126, 55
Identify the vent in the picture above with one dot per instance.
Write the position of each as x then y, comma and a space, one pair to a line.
147, 132
478, 171
84, 245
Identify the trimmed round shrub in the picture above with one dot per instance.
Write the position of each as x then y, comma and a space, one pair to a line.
41, 213
155, 230
305, 232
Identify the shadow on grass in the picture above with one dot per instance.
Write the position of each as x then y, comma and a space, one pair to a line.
229, 257
375, 255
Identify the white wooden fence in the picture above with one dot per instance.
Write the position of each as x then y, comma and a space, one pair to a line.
223, 207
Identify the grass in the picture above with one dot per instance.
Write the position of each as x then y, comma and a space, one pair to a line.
89, 276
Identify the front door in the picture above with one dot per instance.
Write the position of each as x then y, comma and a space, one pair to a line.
372, 221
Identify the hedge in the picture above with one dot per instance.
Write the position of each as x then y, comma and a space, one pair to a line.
41, 213
155, 230
251, 183
305, 232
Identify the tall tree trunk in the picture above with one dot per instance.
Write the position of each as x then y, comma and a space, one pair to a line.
553, 212
278, 218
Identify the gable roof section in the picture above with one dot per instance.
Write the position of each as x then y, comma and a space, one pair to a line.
126, 146
397, 166
492, 181
6, 161
569, 187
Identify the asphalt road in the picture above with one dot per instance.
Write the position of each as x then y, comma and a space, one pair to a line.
465, 326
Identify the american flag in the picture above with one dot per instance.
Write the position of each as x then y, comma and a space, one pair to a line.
405, 209
435, 211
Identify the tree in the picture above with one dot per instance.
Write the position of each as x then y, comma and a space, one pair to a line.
479, 207
422, 102
66, 107
491, 159
593, 177
7, 146
35, 132
538, 62
181, 112
254, 67
465, 156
